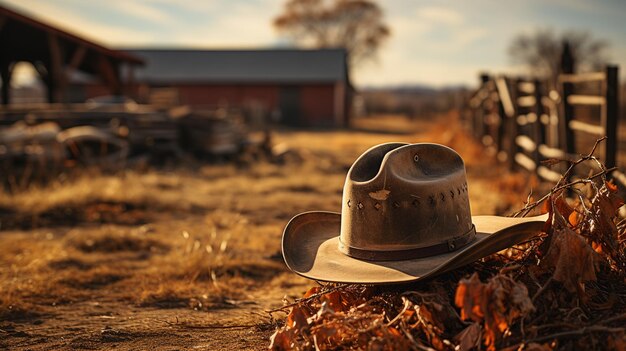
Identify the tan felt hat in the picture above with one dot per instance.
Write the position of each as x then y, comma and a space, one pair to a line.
405, 216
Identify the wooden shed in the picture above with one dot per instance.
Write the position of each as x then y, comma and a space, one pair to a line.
56, 54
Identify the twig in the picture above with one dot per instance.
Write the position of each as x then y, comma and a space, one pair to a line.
407, 304
552, 325
543, 288
614, 318
578, 332
532, 276
559, 185
526, 210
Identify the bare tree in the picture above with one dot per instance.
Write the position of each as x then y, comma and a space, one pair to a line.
541, 51
356, 25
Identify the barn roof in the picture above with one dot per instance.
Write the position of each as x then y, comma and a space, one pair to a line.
241, 66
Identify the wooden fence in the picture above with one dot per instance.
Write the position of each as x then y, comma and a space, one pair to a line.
524, 122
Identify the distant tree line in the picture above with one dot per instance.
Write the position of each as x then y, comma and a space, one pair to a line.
414, 102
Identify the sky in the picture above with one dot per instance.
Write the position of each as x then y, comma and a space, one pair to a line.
432, 42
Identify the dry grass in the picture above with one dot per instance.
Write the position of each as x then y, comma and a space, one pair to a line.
163, 256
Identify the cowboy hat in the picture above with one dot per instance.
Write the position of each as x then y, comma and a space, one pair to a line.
405, 217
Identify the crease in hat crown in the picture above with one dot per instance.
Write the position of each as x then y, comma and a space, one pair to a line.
405, 201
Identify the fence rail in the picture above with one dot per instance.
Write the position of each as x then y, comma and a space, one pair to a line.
525, 121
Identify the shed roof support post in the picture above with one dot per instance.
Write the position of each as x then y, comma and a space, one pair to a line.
77, 57
3, 20
130, 80
109, 74
57, 77
6, 72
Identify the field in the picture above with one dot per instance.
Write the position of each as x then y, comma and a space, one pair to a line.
188, 257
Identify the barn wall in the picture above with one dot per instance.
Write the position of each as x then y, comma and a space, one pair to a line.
318, 105
229, 94
317, 102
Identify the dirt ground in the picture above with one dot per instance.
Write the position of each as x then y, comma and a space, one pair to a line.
189, 257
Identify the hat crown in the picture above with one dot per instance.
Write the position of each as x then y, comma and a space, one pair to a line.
400, 197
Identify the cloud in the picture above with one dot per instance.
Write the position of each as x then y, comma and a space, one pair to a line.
204, 6
442, 15
148, 23
142, 10
431, 41
247, 25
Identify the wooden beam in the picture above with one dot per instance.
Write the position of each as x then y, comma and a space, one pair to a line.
77, 57
587, 128
550, 152
526, 162
526, 143
109, 75
41, 70
590, 100
582, 77
505, 97
526, 101
566, 134
56, 70
526, 87
5, 73
548, 174
610, 118
3, 21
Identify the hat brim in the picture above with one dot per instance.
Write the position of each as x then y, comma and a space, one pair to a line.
310, 247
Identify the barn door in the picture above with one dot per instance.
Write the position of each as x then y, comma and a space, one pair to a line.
290, 105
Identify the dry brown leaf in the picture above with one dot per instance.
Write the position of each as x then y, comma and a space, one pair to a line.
432, 324
468, 338
572, 259
334, 301
617, 342
282, 339
312, 291
469, 293
297, 318
563, 207
603, 229
324, 310
497, 303
533, 346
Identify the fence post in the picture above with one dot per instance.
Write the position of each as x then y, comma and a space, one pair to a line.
502, 120
512, 126
539, 130
484, 78
611, 116
566, 139
479, 116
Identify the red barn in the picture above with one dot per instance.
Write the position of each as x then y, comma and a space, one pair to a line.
301, 87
